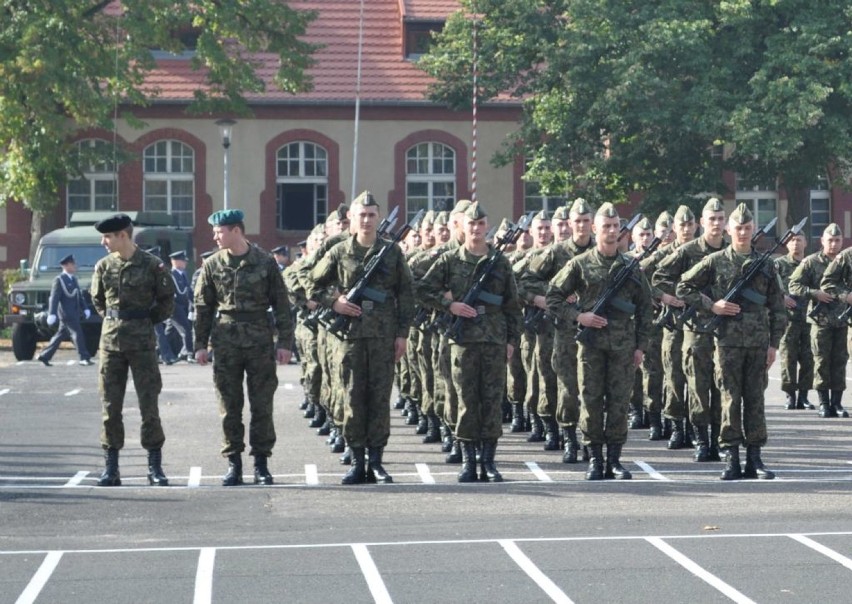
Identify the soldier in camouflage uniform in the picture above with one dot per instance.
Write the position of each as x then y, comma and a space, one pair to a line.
375, 340
837, 281
745, 347
698, 343
238, 285
828, 332
797, 360
479, 356
617, 341
642, 235
133, 291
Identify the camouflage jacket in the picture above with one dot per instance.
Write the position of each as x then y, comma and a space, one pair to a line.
650, 264
759, 326
542, 266
232, 299
141, 284
341, 268
499, 320
837, 278
805, 280
587, 276
295, 289
784, 267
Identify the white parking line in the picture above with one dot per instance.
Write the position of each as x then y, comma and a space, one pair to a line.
819, 547
77, 479
288, 386
39, 579
311, 474
650, 471
534, 573
204, 576
371, 574
73, 392
699, 572
4, 391
424, 473
537, 471
194, 480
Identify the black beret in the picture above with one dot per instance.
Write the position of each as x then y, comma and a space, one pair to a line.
113, 224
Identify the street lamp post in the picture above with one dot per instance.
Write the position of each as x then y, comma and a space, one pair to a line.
225, 127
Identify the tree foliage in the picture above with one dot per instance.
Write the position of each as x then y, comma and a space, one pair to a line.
640, 95
65, 64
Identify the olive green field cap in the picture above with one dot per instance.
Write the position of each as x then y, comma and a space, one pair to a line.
684, 214
742, 215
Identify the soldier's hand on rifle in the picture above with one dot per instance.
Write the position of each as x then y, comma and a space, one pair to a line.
823, 297
460, 309
540, 302
725, 309
790, 302
399, 345
590, 319
311, 304
342, 306
670, 300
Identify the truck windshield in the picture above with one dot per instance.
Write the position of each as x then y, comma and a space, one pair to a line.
85, 255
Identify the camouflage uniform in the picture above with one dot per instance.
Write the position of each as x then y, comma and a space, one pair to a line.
306, 339
797, 359
837, 281
132, 295
232, 298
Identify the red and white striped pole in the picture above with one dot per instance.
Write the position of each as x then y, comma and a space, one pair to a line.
475, 104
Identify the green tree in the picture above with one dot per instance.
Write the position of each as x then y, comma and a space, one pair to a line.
67, 64
639, 95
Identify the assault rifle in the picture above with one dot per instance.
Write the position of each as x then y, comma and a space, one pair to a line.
673, 317
741, 289
609, 297
533, 315
454, 325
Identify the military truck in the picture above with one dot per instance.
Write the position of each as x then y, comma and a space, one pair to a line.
28, 299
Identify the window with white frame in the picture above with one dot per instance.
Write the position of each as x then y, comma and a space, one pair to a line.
97, 188
169, 180
301, 186
820, 207
430, 178
535, 200
761, 198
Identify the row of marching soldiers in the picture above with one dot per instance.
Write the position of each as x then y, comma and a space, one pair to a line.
529, 327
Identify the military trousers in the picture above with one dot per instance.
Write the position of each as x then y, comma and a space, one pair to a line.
112, 385
828, 344
366, 368
439, 383
797, 359
311, 367
547, 388
415, 387
674, 378
451, 395
564, 363
705, 400
530, 363
516, 379
423, 356
605, 379
742, 377
331, 394
479, 376
652, 372
257, 366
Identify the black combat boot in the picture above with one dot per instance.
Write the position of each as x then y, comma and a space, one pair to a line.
400, 403
688, 434
537, 434
261, 470
339, 444
596, 463
422, 422
489, 470
655, 431
346, 458
754, 467
732, 469
412, 417
433, 433
332, 434
310, 410
325, 429
713, 448
468, 460
791, 401
303, 405
586, 455
111, 477
156, 476
702, 448
234, 475
551, 437
507, 411
357, 473
802, 402
406, 407
446, 439
635, 415
319, 417
518, 423
569, 435
839, 411
375, 471
614, 469
825, 408
456, 455
678, 439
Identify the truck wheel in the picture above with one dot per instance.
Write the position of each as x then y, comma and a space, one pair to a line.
92, 333
24, 340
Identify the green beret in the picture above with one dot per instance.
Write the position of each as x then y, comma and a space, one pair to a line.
832, 230
665, 219
461, 206
560, 213
543, 215
742, 215
113, 224
365, 199
428, 218
475, 211
442, 217
607, 210
581, 206
226, 217
684, 214
644, 224
713, 205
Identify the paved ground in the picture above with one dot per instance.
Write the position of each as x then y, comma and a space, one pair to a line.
675, 533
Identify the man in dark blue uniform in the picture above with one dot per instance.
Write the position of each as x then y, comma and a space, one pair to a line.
66, 305
180, 317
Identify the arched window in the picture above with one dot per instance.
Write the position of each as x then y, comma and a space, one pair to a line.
97, 188
301, 186
430, 178
169, 184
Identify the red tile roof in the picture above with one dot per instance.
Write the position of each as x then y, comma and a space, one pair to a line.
428, 10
